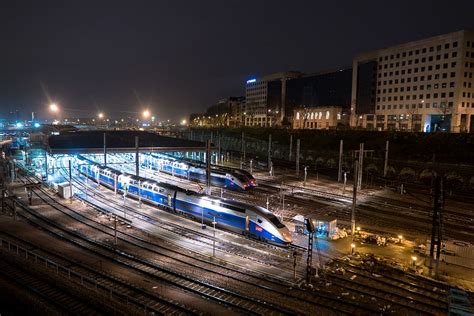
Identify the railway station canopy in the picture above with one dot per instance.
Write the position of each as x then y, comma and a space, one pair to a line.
118, 141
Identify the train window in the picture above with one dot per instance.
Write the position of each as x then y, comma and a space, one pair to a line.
234, 208
259, 220
275, 221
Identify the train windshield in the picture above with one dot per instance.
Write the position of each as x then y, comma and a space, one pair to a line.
240, 177
245, 173
275, 221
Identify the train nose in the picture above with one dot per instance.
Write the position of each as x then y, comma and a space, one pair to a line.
286, 235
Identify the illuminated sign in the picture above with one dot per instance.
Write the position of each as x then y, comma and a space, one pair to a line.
252, 80
258, 228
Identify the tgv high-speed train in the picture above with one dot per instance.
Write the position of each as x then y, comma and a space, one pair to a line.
251, 220
230, 178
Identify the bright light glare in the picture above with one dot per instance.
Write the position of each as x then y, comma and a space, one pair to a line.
183, 122
37, 125
101, 115
19, 125
146, 114
54, 107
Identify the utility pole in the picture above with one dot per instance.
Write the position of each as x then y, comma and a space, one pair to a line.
208, 167
339, 173
242, 150
291, 148
298, 157
139, 194
137, 158
70, 180
385, 165
45, 164
269, 151
361, 166
345, 182
105, 150
214, 239
115, 230
251, 166
218, 160
309, 261
305, 175
437, 224
354, 200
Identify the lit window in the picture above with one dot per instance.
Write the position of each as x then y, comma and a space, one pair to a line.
327, 115
297, 115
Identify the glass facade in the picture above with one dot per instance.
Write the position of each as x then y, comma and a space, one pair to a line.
328, 89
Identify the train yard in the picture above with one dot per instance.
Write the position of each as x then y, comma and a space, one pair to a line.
151, 254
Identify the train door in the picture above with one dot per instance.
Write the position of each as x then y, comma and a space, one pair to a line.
247, 222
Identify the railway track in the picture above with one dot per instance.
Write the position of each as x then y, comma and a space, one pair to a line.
374, 213
255, 306
409, 295
58, 300
112, 288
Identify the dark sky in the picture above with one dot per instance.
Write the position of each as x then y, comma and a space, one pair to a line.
178, 57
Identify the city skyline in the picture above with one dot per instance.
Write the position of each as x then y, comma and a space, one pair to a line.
161, 56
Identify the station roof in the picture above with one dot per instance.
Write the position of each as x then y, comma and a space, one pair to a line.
118, 141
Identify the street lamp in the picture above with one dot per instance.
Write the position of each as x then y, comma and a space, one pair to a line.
146, 114
214, 240
413, 258
101, 115
400, 237
352, 248
183, 122
53, 107
358, 230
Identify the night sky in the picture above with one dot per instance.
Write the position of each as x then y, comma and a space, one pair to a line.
178, 57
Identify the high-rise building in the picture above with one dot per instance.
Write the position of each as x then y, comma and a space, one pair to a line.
265, 99
424, 85
271, 100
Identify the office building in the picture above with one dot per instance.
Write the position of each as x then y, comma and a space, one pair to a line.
265, 99
271, 100
423, 86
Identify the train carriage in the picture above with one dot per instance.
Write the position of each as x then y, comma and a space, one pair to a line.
235, 216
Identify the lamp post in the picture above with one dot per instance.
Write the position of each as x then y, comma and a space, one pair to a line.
305, 175
414, 258
214, 240
352, 248
400, 238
